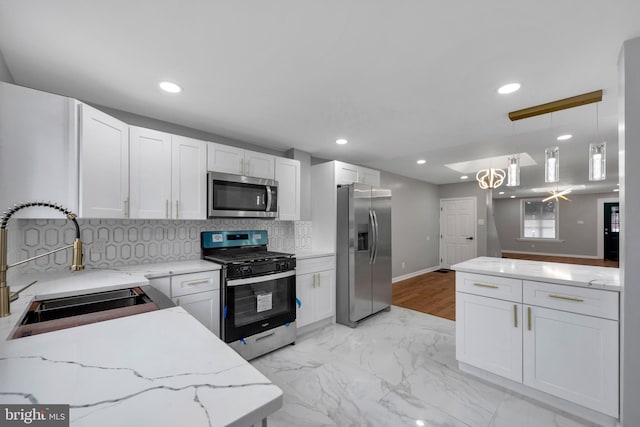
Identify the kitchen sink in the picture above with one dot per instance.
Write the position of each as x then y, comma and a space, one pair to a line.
67, 312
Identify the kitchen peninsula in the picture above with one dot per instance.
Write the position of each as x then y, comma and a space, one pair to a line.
547, 330
157, 368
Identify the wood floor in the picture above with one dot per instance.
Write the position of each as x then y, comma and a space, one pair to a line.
435, 293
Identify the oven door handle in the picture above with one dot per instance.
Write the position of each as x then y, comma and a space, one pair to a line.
268, 207
258, 279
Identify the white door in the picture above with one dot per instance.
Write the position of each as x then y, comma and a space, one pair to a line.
204, 306
325, 295
189, 177
150, 173
457, 230
288, 177
572, 356
225, 159
489, 334
104, 165
305, 304
259, 165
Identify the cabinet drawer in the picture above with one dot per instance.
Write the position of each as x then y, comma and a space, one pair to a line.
186, 284
491, 286
592, 302
311, 265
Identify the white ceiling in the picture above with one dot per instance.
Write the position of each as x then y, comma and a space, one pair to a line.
401, 80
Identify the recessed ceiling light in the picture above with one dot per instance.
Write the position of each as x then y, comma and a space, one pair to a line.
421, 162
564, 137
502, 192
341, 141
170, 87
509, 88
464, 177
513, 197
616, 189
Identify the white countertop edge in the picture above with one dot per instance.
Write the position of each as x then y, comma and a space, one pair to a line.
313, 254
489, 265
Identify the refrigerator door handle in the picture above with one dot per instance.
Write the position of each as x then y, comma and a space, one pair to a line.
373, 231
375, 236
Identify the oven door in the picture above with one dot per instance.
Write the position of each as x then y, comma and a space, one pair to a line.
256, 304
241, 196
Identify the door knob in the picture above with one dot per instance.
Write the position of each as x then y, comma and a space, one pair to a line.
469, 238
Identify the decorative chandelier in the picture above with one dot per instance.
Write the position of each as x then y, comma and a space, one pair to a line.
490, 178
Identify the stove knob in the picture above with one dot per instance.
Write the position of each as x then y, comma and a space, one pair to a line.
278, 267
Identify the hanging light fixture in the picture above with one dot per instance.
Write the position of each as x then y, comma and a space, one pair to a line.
551, 166
513, 171
597, 156
490, 178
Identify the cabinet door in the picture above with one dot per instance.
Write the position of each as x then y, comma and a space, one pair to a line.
38, 150
369, 177
259, 165
150, 173
305, 313
572, 356
489, 334
225, 159
104, 165
205, 307
325, 294
346, 173
288, 177
189, 178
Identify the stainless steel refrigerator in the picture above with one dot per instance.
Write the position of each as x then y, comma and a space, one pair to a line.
363, 252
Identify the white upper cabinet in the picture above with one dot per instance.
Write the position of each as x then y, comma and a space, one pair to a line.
189, 178
168, 176
150, 173
104, 165
288, 177
349, 174
38, 150
227, 159
259, 165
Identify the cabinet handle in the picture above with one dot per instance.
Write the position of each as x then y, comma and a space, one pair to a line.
126, 207
248, 167
241, 167
567, 298
515, 316
196, 282
318, 279
177, 209
485, 285
529, 318
313, 282
166, 208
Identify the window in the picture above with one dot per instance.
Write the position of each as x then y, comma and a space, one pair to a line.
539, 219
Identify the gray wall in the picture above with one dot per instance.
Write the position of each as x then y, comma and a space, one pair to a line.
471, 189
629, 155
5, 74
415, 213
578, 239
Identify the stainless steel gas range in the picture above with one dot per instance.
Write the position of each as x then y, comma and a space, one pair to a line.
258, 296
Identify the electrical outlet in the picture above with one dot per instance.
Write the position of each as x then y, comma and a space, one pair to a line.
403, 265
428, 237
98, 245
533, 246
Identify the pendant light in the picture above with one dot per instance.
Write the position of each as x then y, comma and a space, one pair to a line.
513, 167
597, 156
551, 166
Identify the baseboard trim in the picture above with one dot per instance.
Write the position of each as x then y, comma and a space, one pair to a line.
549, 254
414, 274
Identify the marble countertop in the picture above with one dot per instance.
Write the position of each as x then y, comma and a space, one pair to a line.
565, 274
157, 368
313, 254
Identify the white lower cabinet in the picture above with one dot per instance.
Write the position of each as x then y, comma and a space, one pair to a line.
572, 356
315, 290
561, 340
489, 334
198, 293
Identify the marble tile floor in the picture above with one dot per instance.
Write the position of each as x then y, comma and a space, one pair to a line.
395, 369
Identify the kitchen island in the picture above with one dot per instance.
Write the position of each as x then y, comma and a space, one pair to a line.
547, 330
161, 368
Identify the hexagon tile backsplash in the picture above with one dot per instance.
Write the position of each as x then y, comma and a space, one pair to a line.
111, 243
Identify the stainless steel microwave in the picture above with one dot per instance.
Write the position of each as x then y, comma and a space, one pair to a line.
241, 196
